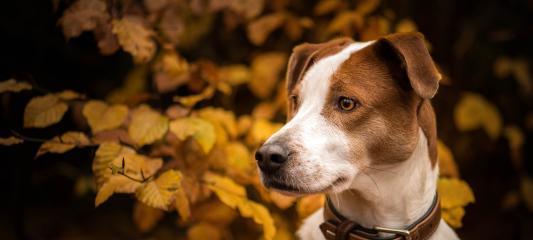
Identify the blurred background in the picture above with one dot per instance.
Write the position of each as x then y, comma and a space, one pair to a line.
224, 61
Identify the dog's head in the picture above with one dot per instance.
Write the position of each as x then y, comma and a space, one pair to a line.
351, 106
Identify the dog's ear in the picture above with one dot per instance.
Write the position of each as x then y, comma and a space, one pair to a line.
415, 61
304, 55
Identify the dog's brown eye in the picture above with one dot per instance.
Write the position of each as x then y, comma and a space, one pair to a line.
346, 104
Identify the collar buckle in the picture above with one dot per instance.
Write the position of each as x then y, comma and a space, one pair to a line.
401, 232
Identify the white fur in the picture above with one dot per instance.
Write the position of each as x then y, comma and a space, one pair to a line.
319, 138
392, 197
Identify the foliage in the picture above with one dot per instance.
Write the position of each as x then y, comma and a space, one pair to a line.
196, 142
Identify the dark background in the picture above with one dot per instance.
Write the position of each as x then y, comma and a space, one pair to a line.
467, 37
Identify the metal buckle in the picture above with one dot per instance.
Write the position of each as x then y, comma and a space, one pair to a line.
404, 233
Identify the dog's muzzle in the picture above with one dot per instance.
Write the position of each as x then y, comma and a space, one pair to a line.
271, 157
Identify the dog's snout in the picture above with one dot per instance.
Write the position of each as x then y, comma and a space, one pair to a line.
271, 157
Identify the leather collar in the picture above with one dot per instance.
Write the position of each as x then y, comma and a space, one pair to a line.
337, 227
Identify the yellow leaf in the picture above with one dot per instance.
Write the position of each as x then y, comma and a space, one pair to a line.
454, 193
309, 204
244, 123
146, 217
114, 153
265, 110
234, 195
345, 22
224, 122
200, 130
447, 166
365, 7
170, 71
453, 216
63, 143
203, 231
10, 141
406, 25
327, 6
147, 125
259, 29
473, 111
101, 116
234, 74
83, 15
135, 38
261, 130
282, 201
68, 95
12, 85
238, 157
215, 212
191, 100
266, 71
160, 192
182, 204
44, 111
105, 192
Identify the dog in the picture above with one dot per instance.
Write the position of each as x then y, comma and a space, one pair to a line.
360, 129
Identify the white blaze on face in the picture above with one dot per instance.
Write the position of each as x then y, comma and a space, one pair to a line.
324, 147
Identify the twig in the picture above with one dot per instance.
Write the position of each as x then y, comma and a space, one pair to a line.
26, 138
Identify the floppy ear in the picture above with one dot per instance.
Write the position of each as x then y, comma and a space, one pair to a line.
416, 62
304, 55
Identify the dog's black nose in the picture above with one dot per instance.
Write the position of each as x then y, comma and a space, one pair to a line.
271, 157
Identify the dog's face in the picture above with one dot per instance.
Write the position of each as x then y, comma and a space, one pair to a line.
352, 106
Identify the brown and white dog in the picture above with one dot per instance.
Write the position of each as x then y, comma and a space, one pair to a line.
362, 130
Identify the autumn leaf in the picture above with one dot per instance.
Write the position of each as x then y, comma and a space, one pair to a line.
324, 7
202, 231
102, 116
147, 125
234, 74
146, 217
454, 216
345, 22
239, 158
10, 141
307, 205
135, 38
44, 111
405, 25
266, 71
182, 204
259, 29
191, 100
83, 15
12, 85
224, 122
261, 130
282, 201
473, 112
136, 166
160, 193
454, 194
215, 212
69, 95
447, 165
170, 71
63, 143
200, 130
234, 195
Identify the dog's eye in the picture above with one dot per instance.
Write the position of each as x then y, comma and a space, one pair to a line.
346, 104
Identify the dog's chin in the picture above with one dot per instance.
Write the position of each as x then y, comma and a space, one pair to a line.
290, 188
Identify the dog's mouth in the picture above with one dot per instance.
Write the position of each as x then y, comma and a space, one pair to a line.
290, 189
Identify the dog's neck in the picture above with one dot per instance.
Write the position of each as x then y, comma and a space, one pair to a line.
392, 196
